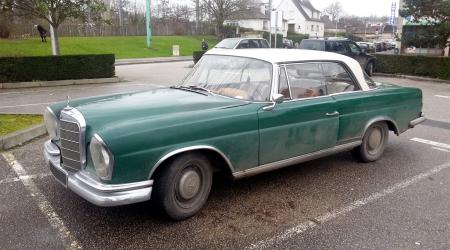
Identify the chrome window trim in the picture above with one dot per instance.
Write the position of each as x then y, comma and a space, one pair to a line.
187, 149
274, 70
109, 177
79, 119
346, 67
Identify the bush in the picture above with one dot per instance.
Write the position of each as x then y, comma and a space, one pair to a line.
49, 68
279, 39
436, 67
296, 37
197, 55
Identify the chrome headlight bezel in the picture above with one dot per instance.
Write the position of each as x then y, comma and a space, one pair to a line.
102, 158
51, 123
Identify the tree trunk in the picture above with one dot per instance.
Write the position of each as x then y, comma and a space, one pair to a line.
55, 40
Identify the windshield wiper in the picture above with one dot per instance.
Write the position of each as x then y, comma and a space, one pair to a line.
199, 88
195, 90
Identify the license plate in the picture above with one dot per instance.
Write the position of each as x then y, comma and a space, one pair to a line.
59, 174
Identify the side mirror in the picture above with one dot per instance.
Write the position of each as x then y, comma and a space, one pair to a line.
277, 99
363, 50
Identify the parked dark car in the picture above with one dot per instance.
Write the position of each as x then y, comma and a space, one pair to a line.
341, 46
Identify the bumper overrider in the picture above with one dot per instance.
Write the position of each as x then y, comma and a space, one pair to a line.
90, 188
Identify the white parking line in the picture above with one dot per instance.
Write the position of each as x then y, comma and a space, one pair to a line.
55, 221
299, 229
443, 96
432, 143
441, 149
25, 177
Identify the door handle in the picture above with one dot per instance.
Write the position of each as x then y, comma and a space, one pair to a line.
332, 114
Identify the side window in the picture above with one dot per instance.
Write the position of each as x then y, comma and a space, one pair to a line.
337, 47
243, 44
306, 80
337, 79
283, 87
354, 48
253, 44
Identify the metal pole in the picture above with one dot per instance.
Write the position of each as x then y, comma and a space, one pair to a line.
276, 28
270, 23
147, 22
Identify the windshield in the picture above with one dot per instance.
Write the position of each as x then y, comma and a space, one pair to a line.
227, 43
238, 77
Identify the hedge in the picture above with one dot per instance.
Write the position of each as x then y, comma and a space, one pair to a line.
49, 68
436, 67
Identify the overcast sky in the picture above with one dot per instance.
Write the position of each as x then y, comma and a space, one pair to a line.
360, 7
351, 7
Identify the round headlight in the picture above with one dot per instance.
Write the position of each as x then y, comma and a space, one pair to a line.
51, 123
101, 157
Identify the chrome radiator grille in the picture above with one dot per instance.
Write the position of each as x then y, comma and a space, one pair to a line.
72, 133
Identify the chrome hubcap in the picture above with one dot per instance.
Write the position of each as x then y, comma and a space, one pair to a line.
375, 139
189, 184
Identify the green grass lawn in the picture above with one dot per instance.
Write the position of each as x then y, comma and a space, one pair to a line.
12, 123
121, 46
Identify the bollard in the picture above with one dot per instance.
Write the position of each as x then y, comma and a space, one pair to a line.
175, 50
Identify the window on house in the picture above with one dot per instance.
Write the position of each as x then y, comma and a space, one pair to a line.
312, 27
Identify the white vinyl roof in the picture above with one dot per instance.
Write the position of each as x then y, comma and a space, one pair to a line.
279, 56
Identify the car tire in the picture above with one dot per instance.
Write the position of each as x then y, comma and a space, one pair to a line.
373, 144
369, 68
183, 186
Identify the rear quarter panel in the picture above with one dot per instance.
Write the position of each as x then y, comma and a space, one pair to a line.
358, 109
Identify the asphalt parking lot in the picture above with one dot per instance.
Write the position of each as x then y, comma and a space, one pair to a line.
399, 202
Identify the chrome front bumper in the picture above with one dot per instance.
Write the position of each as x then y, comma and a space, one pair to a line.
90, 188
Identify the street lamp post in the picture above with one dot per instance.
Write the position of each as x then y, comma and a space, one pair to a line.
147, 23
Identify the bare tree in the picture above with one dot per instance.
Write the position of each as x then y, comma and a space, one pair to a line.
334, 10
56, 12
221, 10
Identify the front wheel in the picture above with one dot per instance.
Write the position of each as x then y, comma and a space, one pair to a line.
374, 142
183, 186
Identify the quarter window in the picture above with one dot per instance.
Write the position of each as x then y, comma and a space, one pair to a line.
283, 84
306, 80
337, 79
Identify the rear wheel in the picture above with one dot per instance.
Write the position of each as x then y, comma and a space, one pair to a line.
369, 68
183, 186
373, 143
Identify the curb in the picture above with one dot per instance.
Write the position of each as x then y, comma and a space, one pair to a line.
20, 137
19, 85
149, 60
417, 78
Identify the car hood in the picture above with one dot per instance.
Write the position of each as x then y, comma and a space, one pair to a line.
143, 105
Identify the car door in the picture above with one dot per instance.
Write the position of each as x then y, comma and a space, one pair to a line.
355, 107
357, 54
305, 122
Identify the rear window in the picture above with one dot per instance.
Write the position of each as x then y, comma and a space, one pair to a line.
227, 43
313, 45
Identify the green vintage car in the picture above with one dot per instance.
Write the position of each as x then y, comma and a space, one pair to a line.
240, 112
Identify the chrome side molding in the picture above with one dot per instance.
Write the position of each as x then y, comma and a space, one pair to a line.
295, 160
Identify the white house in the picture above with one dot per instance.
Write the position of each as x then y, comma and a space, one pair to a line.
255, 17
297, 16
301, 17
